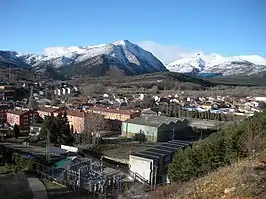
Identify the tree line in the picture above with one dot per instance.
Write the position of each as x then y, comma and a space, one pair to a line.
220, 149
175, 110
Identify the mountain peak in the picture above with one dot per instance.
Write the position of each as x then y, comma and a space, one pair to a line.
122, 42
215, 63
121, 54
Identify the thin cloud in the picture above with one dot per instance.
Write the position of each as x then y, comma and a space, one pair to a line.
167, 54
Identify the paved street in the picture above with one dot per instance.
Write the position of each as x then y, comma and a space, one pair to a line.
38, 188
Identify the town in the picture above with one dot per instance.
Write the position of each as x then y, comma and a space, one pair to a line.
66, 127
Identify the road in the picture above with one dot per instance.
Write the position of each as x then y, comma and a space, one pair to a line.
38, 188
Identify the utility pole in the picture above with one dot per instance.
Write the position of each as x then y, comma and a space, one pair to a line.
46, 92
31, 91
30, 98
47, 152
9, 73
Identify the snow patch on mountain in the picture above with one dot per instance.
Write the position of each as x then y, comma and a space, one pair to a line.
121, 53
215, 63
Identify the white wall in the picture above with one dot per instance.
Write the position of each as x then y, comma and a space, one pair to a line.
69, 148
141, 166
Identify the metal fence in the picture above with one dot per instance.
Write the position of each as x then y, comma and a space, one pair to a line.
84, 176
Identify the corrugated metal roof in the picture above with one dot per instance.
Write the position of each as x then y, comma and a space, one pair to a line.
162, 150
55, 150
154, 121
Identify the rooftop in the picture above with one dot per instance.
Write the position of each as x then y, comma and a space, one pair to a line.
112, 110
17, 112
76, 113
47, 109
6, 90
154, 121
162, 150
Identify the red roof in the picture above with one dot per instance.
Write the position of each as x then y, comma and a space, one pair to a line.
76, 113
18, 112
112, 110
47, 109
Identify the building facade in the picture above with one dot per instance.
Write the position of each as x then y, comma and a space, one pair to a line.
6, 94
23, 118
76, 120
156, 128
47, 111
114, 114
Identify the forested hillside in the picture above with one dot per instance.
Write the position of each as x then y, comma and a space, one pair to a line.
220, 149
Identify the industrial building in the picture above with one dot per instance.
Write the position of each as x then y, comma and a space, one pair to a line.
156, 128
71, 170
150, 166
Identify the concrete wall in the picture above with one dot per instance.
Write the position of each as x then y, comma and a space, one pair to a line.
129, 130
141, 166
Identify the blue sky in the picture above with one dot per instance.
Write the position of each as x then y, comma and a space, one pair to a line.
227, 27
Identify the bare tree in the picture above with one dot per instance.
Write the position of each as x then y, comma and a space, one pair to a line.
253, 138
91, 89
94, 123
155, 89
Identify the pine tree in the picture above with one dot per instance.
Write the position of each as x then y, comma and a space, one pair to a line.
64, 134
50, 126
182, 168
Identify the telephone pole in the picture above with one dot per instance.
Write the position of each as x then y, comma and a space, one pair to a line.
9, 73
47, 148
30, 98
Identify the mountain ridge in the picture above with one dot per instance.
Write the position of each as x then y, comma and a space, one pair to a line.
128, 59
215, 63
122, 55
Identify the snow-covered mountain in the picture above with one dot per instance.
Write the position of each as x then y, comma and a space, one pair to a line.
122, 55
215, 63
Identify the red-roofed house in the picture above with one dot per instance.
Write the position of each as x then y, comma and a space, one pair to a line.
23, 118
115, 114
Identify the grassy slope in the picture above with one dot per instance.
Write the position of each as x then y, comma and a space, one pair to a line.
246, 179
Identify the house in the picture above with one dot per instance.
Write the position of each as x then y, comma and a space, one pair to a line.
47, 111
76, 120
206, 105
114, 114
156, 128
22, 117
7, 94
